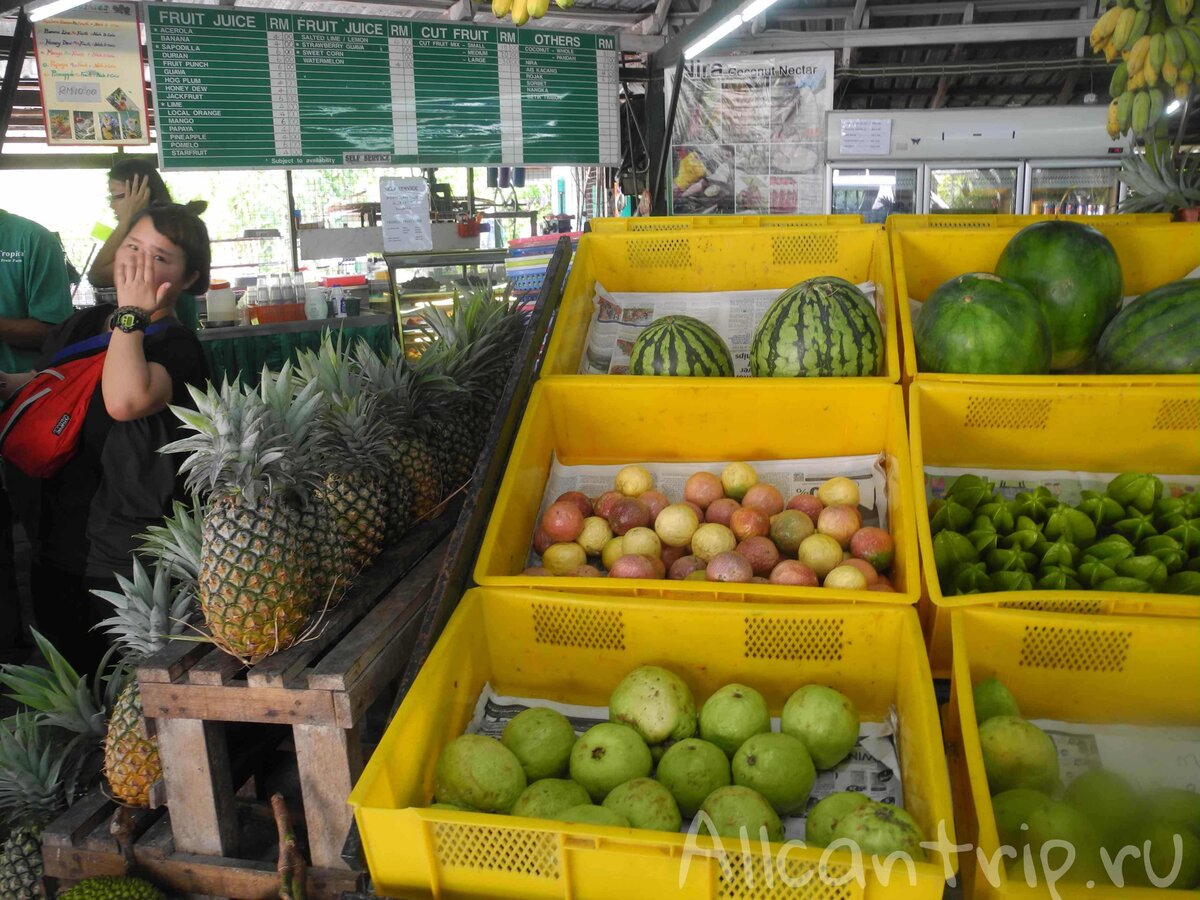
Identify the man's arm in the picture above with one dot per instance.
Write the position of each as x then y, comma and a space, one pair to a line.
24, 334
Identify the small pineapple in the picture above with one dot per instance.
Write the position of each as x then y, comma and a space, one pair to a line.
474, 345
177, 541
33, 790
113, 887
253, 582
147, 611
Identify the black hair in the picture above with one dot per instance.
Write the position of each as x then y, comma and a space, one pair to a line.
187, 231
126, 169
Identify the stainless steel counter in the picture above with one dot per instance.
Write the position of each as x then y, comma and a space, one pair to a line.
237, 331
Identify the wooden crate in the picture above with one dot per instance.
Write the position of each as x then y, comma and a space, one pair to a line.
79, 845
321, 688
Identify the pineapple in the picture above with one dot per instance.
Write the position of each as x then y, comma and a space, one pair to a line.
253, 582
414, 401
33, 790
474, 346
147, 611
353, 489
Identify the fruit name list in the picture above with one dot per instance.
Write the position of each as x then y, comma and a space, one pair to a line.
258, 89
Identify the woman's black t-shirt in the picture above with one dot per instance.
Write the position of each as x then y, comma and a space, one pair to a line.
118, 483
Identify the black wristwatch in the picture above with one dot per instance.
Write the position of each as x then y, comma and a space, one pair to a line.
129, 319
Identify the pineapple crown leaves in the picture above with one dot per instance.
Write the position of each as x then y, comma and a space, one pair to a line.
354, 435
474, 344
57, 691
1160, 182
148, 610
239, 444
330, 367
33, 772
412, 399
177, 541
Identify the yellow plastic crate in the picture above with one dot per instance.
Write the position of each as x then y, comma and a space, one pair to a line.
588, 422
574, 649
1081, 429
1086, 669
1151, 254
905, 222
641, 224
752, 258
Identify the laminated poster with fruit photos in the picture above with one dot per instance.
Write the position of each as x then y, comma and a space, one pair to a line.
749, 135
872, 768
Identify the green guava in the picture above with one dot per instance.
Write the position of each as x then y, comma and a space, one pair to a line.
1017, 754
1012, 810
691, 770
607, 755
1108, 801
880, 829
778, 767
646, 804
823, 818
732, 715
1175, 806
1163, 855
589, 814
541, 739
825, 720
655, 703
1056, 821
478, 772
547, 797
735, 809
993, 699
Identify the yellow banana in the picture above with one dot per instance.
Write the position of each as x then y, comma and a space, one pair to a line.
1136, 82
1150, 74
500, 8
1170, 74
1138, 54
1114, 129
537, 8
1176, 11
1116, 24
1110, 52
520, 12
1124, 111
1140, 119
1182, 89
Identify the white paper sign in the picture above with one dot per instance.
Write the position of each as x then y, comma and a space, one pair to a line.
865, 137
404, 207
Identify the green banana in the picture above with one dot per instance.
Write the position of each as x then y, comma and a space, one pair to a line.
1158, 20
1124, 111
1176, 51
1191, 45
1121, 30
1158, 51
1177, 12
1120, 80
1157, 104
1140, 120
1141, 22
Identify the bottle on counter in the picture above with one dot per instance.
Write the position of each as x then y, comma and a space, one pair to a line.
274, 290
221, 305
337, 298
287, 293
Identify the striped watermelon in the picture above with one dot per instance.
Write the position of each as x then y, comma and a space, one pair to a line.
1156, 334
821, 327
680, 345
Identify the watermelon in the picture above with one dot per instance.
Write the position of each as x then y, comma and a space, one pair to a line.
982, 325
1074, 273
821, 327
679, 345
1156, 334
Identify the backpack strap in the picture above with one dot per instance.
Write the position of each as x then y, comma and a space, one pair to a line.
94, 343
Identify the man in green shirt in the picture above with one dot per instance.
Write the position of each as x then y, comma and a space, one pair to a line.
35, 293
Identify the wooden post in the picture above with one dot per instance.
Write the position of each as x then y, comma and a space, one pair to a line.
195, 760
330, 761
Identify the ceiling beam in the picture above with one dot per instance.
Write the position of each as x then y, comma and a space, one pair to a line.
716, 13
778, 41
653, 24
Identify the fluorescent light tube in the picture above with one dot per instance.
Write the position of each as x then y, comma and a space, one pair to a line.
756, 8
723, 30
1172, 107
53, 9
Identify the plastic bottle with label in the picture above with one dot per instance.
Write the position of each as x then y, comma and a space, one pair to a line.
338, 298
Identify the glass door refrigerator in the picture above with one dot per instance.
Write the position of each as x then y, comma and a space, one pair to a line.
973, 187
872, 190
1072, 187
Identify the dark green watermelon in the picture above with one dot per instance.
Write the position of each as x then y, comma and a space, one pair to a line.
1074, 273
979, 324
680, 345
821, 327
1156, 334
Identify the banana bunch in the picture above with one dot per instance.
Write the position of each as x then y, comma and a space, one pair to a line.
524, 10
1158, 43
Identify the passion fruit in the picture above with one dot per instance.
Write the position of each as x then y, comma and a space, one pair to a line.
703, 488
562, 521
765, 497
730, 566
721, 511
749, 522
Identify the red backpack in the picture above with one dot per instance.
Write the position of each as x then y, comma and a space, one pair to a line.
42, 423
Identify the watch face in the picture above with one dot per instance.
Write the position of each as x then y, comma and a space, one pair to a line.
127, 321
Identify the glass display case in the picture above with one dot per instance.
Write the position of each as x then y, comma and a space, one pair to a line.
873, 192
973, 187
1081, 188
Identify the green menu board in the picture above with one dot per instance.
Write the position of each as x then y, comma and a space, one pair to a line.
251, 89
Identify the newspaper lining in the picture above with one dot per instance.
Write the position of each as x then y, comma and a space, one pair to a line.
872, 768
789, 476
618, 319
1148, 757
1065, 485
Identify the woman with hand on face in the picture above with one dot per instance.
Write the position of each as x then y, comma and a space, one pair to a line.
134, 184
117, 483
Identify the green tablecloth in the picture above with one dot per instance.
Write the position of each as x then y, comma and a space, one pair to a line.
246, 354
